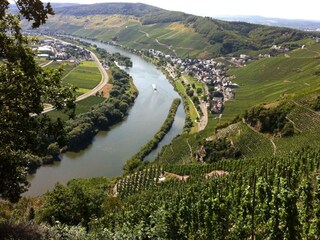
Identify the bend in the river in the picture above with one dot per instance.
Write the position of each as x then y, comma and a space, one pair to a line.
110, 150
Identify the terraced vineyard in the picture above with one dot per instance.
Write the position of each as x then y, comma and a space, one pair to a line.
263, 198
155, 175
304, 118
306, 122
138, 181
225, 132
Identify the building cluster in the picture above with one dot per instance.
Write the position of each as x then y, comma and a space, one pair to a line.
280, 48
240, 61
213, 74
58, 50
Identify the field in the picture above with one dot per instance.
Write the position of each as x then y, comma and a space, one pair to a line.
41, 61
67, 67
85, 76
81, 107
173, 38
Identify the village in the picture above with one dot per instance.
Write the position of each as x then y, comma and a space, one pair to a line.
212, 74
57, 50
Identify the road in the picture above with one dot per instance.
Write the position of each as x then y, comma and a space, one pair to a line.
103, 82
46, 64
204, 120
98, 88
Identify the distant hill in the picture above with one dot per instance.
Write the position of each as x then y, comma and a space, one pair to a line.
13, 7
278, 22
134, 9
62, 5
141, 26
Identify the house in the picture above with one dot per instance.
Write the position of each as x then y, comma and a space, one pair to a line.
243, 56
229, 94
43, 55
216, 105
46, 50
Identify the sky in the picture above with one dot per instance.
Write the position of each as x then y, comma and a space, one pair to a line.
307, 9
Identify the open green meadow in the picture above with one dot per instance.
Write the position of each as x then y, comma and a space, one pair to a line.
81, 107
67, 67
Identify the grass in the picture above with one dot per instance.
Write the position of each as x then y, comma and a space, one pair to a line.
67, 67
41, 61
86, 76
195, 82
192, 111
81, 107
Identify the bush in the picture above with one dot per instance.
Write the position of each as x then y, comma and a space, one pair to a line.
22, 230
288, 129
76, 203
153, 143
221, 148
132, 164
268, 120
315, 105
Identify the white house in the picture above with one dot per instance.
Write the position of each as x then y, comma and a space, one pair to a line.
46, 50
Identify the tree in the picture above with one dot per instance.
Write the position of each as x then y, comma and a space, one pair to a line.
24, 88
128, 63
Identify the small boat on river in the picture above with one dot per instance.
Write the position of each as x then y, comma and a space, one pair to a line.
154, 87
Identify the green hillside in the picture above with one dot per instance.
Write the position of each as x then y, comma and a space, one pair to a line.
260, 198
142, 26
267, 82
134, 9
252, 173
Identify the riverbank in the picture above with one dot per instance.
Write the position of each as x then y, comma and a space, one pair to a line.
136, 160
103, 82
110, 150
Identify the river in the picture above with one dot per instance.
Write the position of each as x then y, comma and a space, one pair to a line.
110, 150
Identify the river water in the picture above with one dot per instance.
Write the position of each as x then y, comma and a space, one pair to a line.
110, 150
